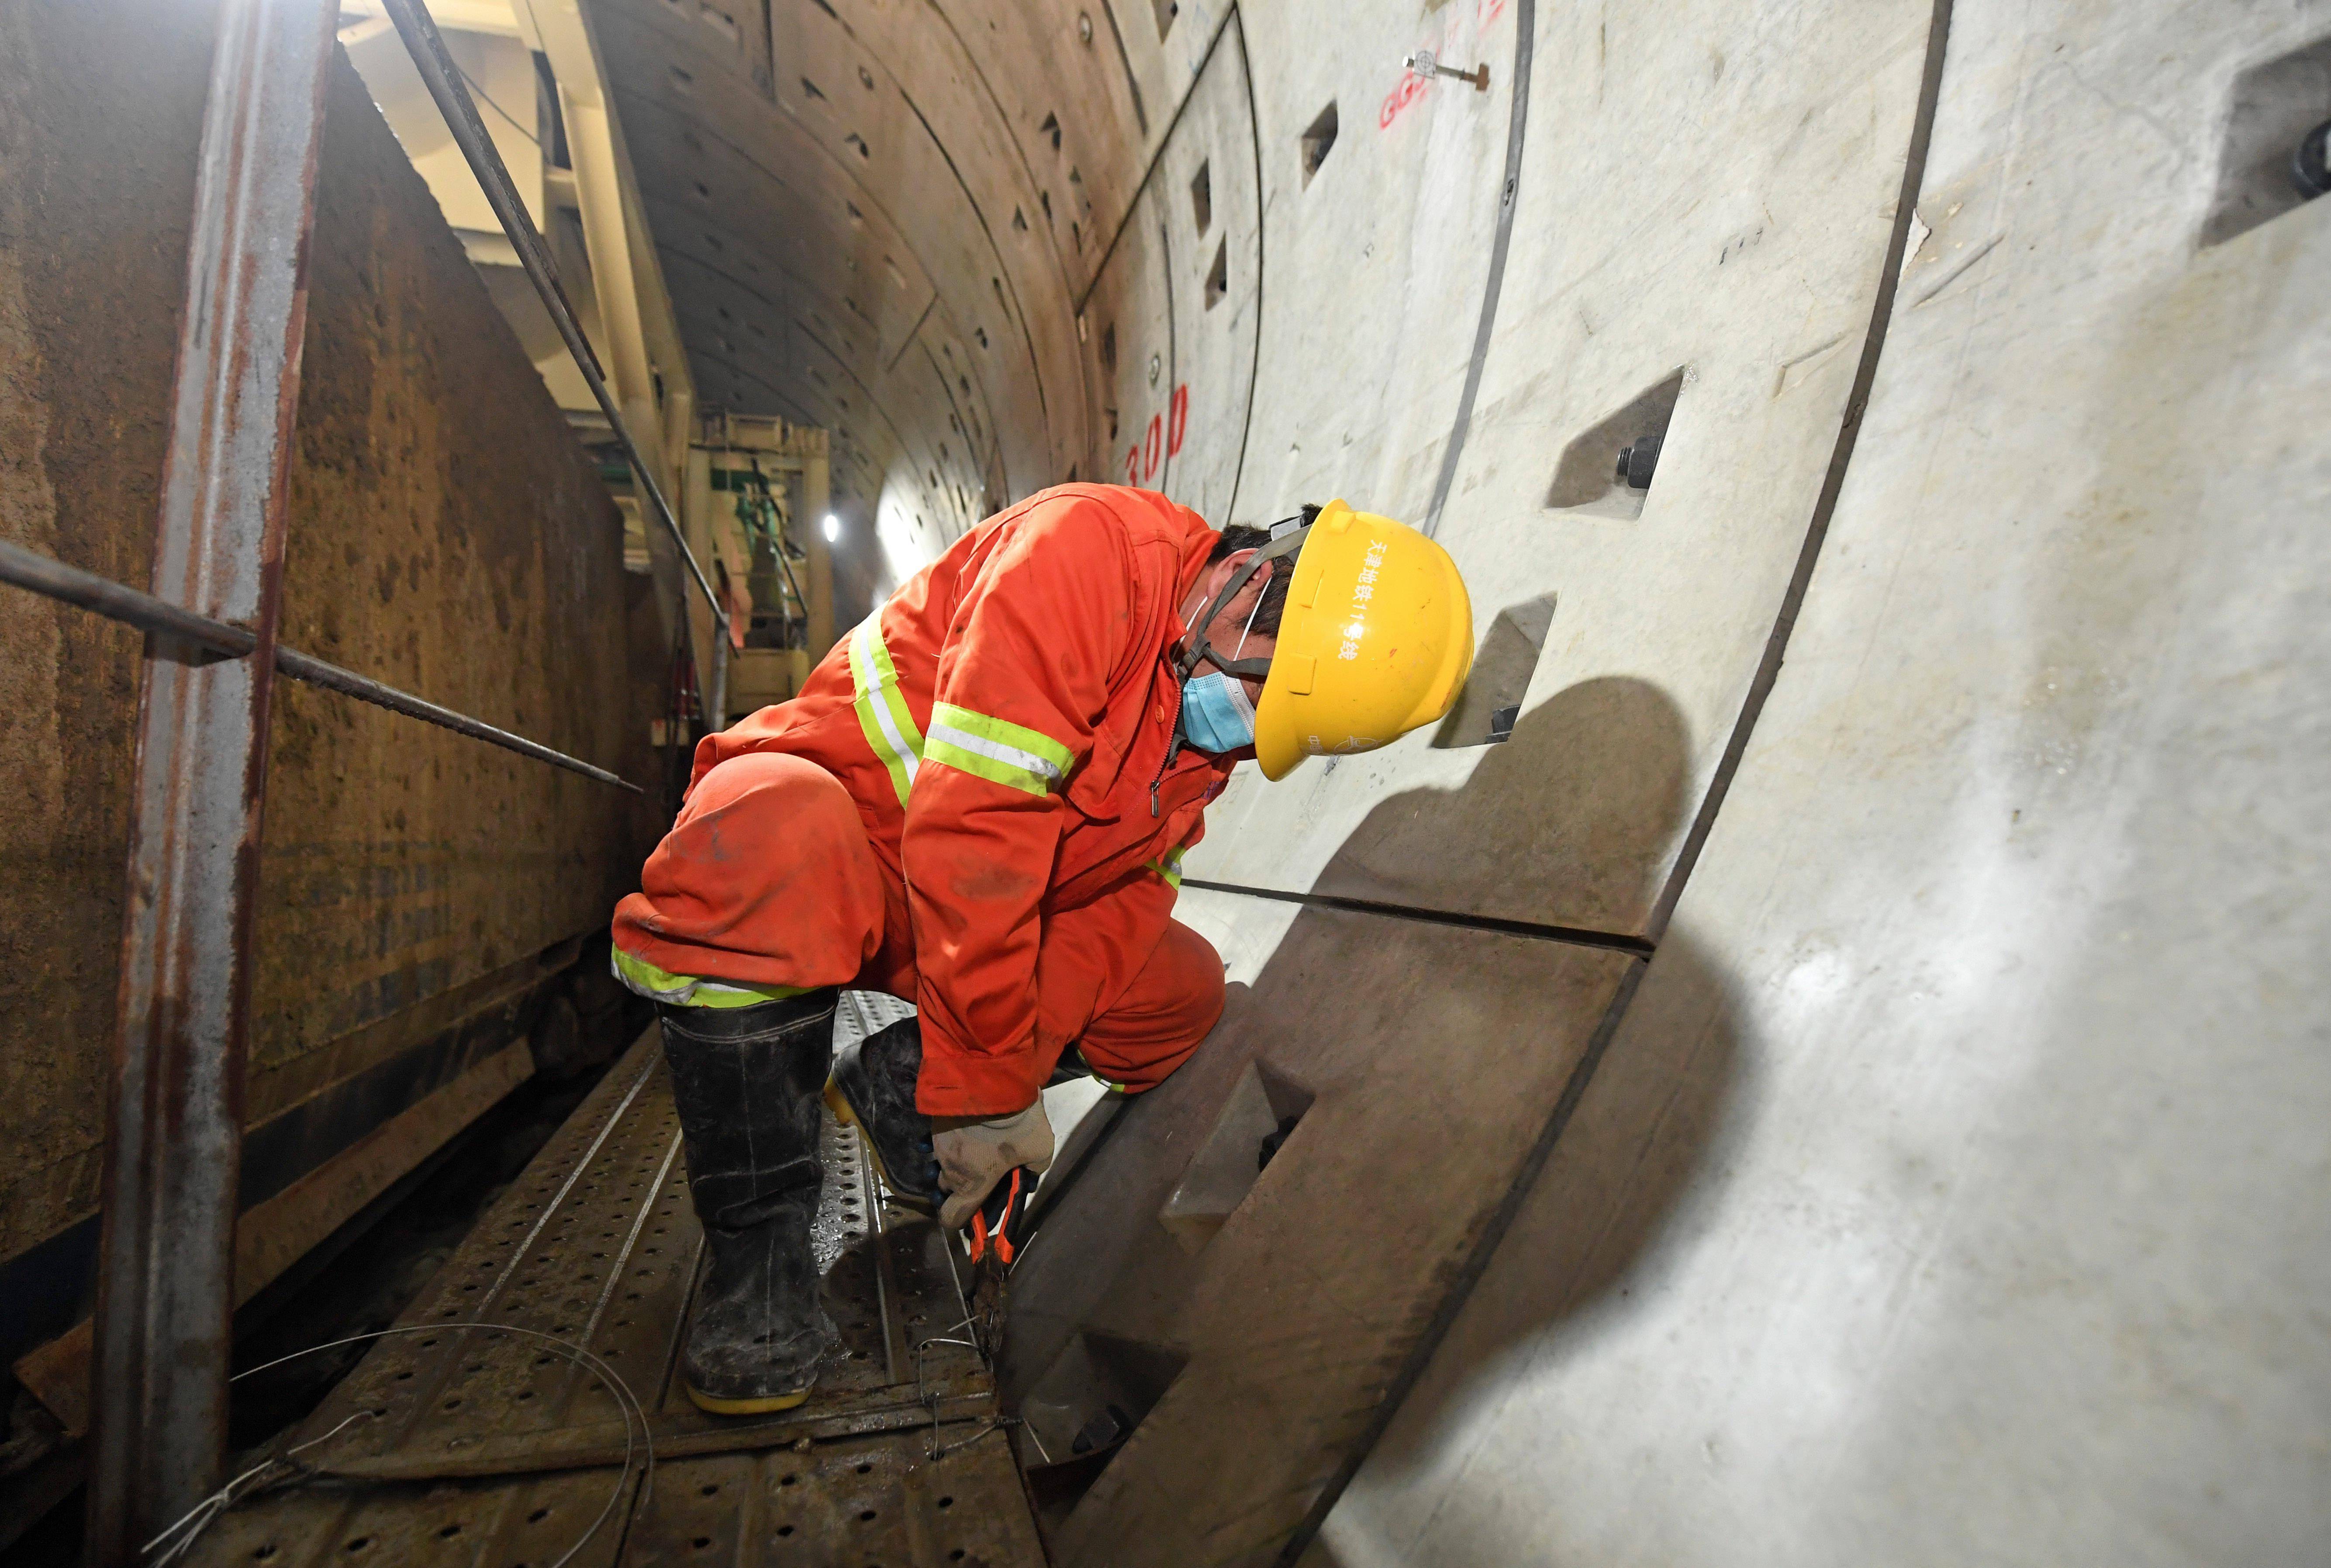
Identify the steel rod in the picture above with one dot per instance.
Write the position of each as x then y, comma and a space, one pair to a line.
800, 598
316, 672
119, 602
716, 713
443, 80
165, 1252
25, 569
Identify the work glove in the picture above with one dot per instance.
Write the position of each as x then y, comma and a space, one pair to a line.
975, 1154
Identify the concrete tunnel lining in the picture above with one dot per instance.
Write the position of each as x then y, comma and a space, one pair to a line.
1860, 1017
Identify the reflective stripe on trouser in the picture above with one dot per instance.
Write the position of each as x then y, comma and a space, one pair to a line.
691, 989
767, 878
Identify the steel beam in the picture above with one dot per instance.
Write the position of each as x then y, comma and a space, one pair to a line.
443, 80
166, 1260
716, 713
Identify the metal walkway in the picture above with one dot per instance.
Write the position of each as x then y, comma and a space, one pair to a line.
492, 1445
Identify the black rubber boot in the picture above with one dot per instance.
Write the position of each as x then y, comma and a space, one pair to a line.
872, 1087
745, 1081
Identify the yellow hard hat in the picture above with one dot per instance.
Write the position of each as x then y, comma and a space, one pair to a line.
1377, 640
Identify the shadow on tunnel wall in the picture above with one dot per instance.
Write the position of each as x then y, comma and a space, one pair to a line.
1601, 1233
1582, 802
1434, 1068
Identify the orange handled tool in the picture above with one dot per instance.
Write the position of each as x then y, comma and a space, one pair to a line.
1000, 1228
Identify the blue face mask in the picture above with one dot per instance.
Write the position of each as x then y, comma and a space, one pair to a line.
1216, 716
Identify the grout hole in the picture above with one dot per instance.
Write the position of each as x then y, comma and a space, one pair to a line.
1317, 140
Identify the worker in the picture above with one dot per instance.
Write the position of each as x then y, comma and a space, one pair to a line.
979, 803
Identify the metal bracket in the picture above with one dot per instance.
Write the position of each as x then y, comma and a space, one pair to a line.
1423, 63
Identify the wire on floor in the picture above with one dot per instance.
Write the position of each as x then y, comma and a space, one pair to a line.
280, 1470
174, 1541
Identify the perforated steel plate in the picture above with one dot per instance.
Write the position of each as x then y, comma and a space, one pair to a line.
490, 1446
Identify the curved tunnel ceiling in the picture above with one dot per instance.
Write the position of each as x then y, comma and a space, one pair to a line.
995, 247
858, 231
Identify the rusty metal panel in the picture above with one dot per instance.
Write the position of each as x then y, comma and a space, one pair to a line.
165, 1261
447, 534
489, 1445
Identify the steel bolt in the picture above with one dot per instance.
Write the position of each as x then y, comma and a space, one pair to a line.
2308, 172
1637, 462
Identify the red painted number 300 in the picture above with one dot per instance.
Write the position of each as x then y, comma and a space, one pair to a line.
1162, 440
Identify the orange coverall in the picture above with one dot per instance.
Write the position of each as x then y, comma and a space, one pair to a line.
969, 806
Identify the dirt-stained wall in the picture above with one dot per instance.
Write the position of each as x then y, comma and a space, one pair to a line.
446, 535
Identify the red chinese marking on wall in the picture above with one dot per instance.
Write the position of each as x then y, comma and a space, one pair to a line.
1177, 422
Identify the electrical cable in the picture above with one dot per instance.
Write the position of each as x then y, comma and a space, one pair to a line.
976, 1344
280, 1469
195, 1519
497, 107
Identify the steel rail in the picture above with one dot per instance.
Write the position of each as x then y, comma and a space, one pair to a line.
166, 1250
25, 569
443, 80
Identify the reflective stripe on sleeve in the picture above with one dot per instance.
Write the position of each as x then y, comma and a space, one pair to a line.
996, 749
882, 711
1169, 866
